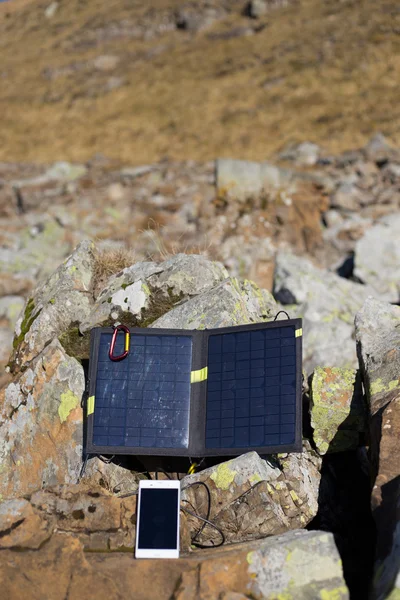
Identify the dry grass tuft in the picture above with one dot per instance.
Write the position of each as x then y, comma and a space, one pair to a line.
108, 262
165, 248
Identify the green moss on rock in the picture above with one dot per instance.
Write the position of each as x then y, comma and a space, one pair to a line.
74, 343
28, 319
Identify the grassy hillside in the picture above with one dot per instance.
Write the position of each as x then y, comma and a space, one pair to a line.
118, 77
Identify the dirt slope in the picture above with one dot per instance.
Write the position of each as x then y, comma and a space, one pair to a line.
119, 77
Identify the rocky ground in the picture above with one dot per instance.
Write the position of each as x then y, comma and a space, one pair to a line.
192, 245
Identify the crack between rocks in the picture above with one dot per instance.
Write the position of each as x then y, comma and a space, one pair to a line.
16, 408
11, 529
68, 587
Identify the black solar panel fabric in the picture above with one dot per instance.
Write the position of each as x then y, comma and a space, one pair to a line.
251, 391
143, 400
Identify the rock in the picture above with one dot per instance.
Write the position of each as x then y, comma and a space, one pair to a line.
337, 410
378, 338
10, 307
305, 154
106, 62
253, 257
327, 303
111, 475
229, 303
65, 171
340, 238
58, 570
377, 258
145, 291
51, 10
98, 519
133, 172
347, 197
64, 299
41, 424
252, 498
192, 19
240, 180
36, 252
21, 527
378, 149
385, 428
257, 8
296, 565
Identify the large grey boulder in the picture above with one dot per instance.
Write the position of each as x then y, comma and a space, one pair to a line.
337, 409
377, 258
378, 338
41, 424
253, 498
147, 290
230, 303
63, 299
299, 565
327, 303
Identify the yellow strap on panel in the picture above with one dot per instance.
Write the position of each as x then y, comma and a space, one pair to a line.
197, 376
192, 469
299, 332
90, 405
127, 342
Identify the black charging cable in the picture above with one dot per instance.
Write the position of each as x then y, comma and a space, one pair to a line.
205, 520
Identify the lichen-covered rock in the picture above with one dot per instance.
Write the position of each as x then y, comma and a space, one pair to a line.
377, 258
41, 424
337, 409
229, 303
64, 299
145, 291
327, 303
298, 565
251, 498
378, 337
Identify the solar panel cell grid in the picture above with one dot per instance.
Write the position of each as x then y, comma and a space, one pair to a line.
144, 400
251, 392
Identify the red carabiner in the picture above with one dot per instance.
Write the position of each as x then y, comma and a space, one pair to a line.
114, 339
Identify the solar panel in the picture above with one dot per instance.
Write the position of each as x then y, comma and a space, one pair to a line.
196, 393
144, 399
251, 393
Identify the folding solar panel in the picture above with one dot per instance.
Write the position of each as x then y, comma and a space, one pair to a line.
196, 393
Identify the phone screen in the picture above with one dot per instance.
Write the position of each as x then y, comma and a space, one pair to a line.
158, 519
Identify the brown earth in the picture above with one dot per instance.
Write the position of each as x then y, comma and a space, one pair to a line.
120, 78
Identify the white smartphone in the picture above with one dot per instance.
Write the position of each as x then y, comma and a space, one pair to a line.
157, 526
